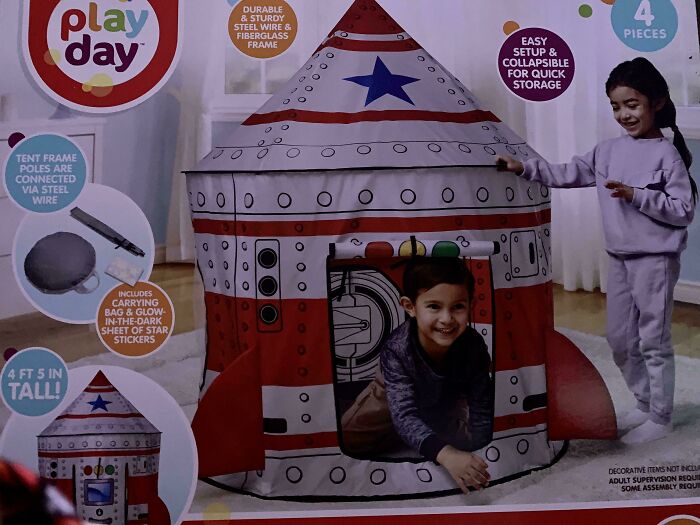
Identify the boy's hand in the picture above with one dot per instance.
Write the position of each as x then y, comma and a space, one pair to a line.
620, 191
467, 469
505, 163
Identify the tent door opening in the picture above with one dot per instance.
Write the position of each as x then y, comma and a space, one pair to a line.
364, 291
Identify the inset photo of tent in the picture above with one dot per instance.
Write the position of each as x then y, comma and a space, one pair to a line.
103, 455
371, 154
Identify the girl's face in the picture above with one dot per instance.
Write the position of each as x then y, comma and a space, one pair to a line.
442, 315
635, 112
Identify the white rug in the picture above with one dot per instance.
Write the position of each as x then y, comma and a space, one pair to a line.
177, 367
580, 476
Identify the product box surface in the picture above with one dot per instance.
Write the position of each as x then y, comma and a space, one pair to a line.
304, 260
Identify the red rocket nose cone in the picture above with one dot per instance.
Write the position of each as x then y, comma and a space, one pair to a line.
100, 380
369, 97
369, 18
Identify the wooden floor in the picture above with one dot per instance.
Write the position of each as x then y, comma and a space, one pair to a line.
75, 341
585, 312
582, 311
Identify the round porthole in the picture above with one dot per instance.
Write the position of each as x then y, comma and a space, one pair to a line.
268, 314
267, 258
268, 286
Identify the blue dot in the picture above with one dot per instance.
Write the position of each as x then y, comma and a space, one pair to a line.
45, 173
34, 382
645, 25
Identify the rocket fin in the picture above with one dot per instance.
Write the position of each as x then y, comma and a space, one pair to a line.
158, 513
228, 425
579, 404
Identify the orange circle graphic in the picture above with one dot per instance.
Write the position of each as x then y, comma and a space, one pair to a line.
510, 26
262, 28
134, 321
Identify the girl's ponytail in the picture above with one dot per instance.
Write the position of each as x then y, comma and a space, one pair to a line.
666, 118
679, 143
681, 146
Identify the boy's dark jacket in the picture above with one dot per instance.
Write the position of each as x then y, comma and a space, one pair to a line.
425, 402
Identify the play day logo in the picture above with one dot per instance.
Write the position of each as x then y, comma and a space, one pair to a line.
101, 55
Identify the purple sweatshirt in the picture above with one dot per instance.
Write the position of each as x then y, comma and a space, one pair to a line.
656, 219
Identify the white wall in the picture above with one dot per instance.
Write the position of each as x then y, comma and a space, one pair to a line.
139, 143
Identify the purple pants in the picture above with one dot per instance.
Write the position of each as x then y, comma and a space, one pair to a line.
640, 301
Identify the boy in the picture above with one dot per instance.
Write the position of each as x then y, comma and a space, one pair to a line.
431, 365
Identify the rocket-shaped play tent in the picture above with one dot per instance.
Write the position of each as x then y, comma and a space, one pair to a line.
371, 153
103, 454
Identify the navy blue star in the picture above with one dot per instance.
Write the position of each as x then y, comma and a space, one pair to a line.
99, 403
383, 82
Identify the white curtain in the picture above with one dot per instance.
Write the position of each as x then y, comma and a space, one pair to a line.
572, 125
196, 78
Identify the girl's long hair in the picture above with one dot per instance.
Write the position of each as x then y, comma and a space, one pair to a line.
641, 75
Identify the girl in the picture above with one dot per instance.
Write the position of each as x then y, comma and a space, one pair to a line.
647, 200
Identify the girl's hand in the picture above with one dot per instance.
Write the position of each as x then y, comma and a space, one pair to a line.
620, 191
505, 163
467, 469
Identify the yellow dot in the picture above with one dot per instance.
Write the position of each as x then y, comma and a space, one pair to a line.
52, 57
101, 80
510, 26
406, 249
100, 85
214, 512
101, 91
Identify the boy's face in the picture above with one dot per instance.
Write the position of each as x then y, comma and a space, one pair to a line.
441, 313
